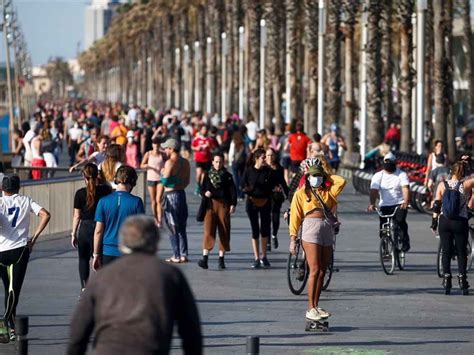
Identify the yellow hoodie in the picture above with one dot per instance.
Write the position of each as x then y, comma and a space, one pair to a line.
300, 206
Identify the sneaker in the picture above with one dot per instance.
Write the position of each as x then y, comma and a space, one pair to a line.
12, 335
265, 262
313, 314
275, 242
4, 334
256, 264
323, 313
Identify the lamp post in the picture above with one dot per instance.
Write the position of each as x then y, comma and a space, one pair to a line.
197, 81
321, 53
177, 92
149, 86
363, 88
186, 79
224, 73
6, 24
209, 76
241, 70
420, 75
263, 45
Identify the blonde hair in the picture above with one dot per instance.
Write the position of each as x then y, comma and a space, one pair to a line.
114, 155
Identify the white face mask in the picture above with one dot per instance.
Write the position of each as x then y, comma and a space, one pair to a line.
315, 181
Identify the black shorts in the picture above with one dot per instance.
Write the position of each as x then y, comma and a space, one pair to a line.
204, 166
285, 162
295, 165
186, 145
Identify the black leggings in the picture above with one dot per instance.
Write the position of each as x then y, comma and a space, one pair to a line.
85, 246
400, 219
253, 213
453, 232
15, 260
276, 211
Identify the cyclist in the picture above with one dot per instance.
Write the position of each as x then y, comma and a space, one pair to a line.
454, 229
15, 243
392, 187
317, 235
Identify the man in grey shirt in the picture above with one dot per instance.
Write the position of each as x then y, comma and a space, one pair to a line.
133, 303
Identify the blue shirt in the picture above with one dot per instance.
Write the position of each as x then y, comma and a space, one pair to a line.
112, 210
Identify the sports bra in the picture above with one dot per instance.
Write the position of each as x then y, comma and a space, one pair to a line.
173, 180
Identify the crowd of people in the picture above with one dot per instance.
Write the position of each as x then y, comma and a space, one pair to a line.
234, 159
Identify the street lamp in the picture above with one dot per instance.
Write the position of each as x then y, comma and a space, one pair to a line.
321, 53
186, 79
209, 77
241, 70
224, 73
263, 44
420, 75
197, 81
363, 88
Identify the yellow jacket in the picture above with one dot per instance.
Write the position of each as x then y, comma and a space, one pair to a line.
300, 206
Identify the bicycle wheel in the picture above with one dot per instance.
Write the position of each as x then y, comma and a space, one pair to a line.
328, 274
297, 270
399, 254
469, 249
439, 261
387, 255
400, 259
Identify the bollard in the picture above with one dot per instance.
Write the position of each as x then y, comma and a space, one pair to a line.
253, 345
21, 328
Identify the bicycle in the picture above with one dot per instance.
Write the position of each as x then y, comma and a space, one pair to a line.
391, 253
469, 253
298, 269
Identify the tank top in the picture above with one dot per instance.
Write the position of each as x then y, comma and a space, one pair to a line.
334, 149
157, 163
464, 197
131, 155
434, 164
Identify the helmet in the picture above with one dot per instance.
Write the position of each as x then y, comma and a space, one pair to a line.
305, 164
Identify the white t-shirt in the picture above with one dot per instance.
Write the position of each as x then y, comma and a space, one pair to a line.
15, 220
390, 186
252, 130
98, 156
75, 133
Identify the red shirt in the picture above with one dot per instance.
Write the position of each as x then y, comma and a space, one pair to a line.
205, 146
298, 144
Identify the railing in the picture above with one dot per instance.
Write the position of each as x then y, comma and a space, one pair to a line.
57, 196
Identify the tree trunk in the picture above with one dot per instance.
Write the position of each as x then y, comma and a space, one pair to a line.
469, 55
254, 15
429, 65
333, 62
387, 63
311, 29
349, 70
439, 58
405, 9
374, 75
448, 79
291, 7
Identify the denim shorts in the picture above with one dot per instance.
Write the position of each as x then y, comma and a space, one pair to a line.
152, 183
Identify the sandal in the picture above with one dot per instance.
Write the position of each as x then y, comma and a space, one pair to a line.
173, 260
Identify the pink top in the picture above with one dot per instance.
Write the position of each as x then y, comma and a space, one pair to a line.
155, 164
131, 155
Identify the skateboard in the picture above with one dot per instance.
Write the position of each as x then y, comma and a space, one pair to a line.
321, 325
4, 333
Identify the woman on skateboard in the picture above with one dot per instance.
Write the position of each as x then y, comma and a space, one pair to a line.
317, 235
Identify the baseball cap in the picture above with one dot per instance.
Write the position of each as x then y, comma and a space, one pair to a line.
11, 183
316, 170
390, 156
170, 143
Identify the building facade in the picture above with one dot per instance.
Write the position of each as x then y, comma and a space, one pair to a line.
97, 17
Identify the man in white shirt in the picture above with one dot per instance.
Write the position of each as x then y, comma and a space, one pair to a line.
251, 129
392, 187
15, 243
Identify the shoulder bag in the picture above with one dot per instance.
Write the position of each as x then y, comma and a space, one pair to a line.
330, 217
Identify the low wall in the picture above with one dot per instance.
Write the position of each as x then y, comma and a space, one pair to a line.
57, 196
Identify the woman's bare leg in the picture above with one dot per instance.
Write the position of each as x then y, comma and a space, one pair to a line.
313, 260
325, 252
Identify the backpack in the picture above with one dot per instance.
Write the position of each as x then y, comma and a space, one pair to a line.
451, 203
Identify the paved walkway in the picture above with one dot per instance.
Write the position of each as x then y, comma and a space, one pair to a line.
372, 313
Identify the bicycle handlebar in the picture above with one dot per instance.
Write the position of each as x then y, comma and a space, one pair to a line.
387, 215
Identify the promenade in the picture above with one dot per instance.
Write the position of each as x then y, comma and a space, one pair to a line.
372, 313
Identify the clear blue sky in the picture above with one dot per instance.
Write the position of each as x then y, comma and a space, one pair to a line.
51, 27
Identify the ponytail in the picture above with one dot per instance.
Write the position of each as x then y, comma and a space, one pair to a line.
90, 173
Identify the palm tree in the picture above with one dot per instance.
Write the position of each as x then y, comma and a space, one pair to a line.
333, 63
291, 7
439, 71
374, 74
311, 30
253, 12
405, 10
429, 68
349, 9
448, 79
387, 63
467, 44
